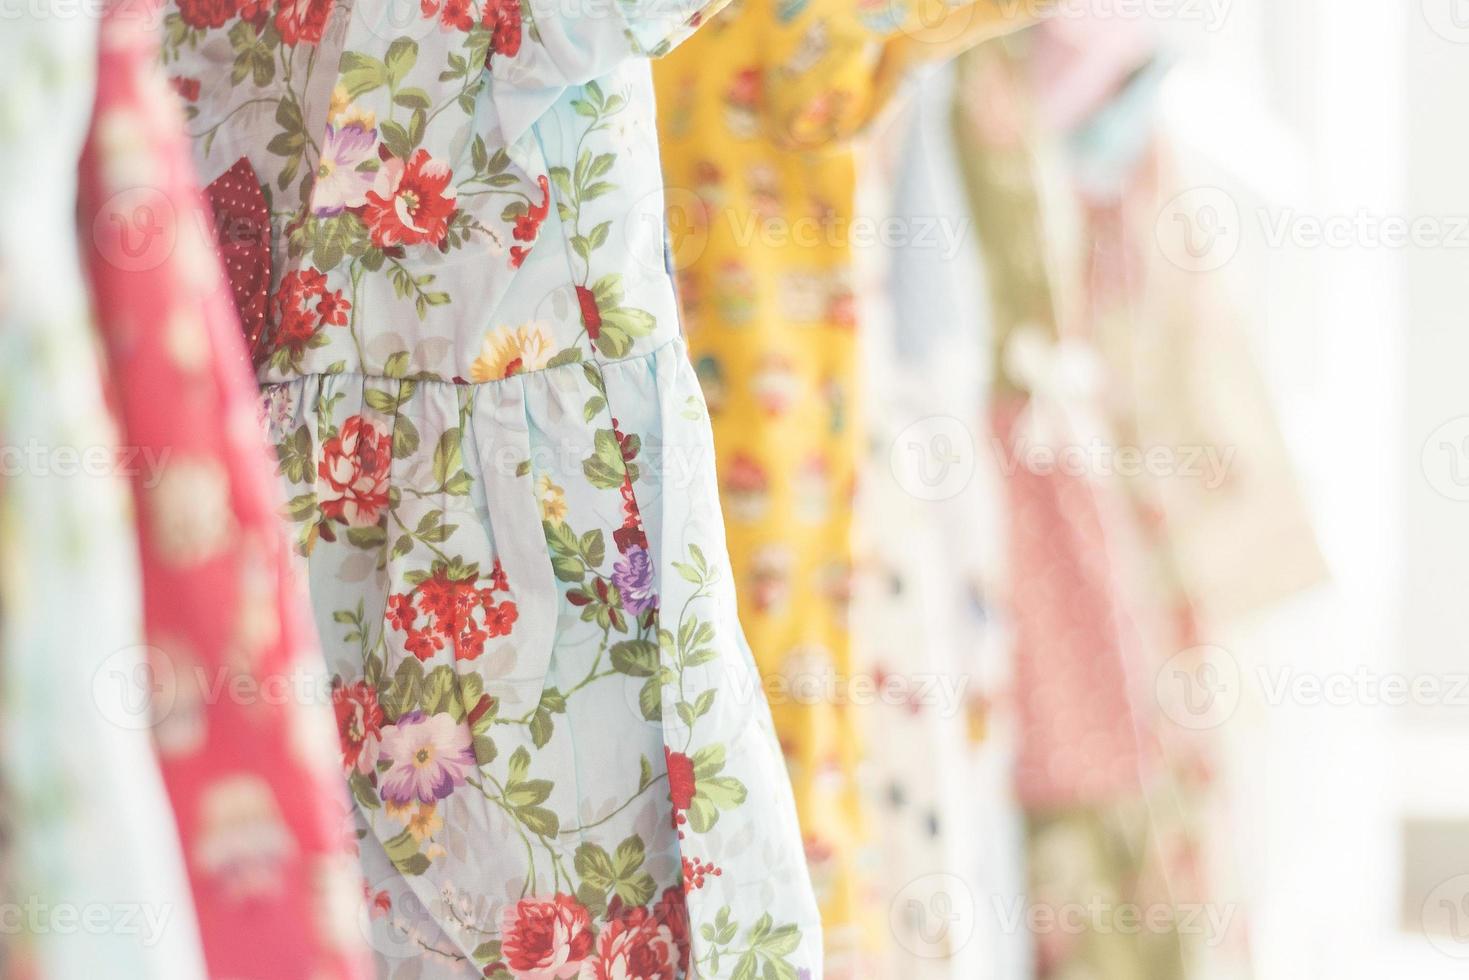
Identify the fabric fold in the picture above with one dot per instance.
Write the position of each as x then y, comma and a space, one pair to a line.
88, 834
241, 715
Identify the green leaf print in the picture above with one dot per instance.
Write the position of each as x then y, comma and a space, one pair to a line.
605, 469
637, 658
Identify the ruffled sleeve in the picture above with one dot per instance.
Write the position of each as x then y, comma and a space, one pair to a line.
544, 47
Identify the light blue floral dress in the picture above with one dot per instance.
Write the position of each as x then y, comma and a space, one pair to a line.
501, 478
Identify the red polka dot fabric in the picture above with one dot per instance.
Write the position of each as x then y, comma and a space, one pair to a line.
1077, 652
242, 231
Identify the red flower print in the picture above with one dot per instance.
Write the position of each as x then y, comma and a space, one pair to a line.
354, 464
302, 306
590, 315
450, 606
634, 946
413, 203
187, 88
205, 14
695, 871
499, 618
546, 940
302, 21
400, 612
359, 723
680, 779
630, 536
528, 225
455, 13
673, 911
502, 17
484, 705
332, 309
423, 643
381, 904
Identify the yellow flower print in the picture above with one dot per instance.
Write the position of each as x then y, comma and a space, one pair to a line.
425, 822
553, 500
508, 351
343, 111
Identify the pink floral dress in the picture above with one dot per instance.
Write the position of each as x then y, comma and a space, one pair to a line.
501, 481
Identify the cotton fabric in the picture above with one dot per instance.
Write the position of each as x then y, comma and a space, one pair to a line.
500, 480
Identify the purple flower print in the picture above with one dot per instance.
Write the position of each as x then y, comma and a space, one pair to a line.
633, 576
430, 756
339, 182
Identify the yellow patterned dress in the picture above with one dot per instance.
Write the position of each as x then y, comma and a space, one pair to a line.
757, 116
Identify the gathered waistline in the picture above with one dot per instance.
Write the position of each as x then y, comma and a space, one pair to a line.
456, 382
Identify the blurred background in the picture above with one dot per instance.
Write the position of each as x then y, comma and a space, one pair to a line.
1317, 173
1160, 471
